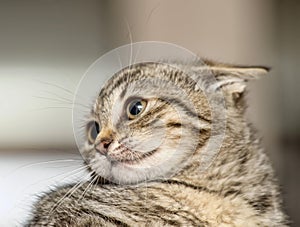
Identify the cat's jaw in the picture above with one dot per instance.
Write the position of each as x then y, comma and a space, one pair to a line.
134, 160
158, 164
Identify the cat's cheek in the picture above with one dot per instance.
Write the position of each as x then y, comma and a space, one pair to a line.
159, 165
129, 174
101, 166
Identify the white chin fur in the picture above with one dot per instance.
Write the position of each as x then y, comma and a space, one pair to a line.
150, 168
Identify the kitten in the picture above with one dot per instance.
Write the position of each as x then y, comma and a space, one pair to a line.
149, 131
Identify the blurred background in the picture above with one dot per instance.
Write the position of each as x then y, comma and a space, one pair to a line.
47, 45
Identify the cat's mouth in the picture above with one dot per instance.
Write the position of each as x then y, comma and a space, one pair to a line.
123, 154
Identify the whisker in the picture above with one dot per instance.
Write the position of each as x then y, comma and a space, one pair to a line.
58, 96
57, 86
95, 185
42, 163
88, 186
72, 172
83, 105
136, 55
52, 107
68, 175
63, 101
131, 42
120, 62
68, 91
68, 194
151, 13
53, 99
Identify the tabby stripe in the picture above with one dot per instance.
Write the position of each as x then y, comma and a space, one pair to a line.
195, 187
262, 203
122, 79
127, 72
170, 214
184, 213
115, 206
108, 218
148, 118
167, 194
177, 212
151, 122
188, 110
162, 210
174, 124
179, 125
195, 223
151, 211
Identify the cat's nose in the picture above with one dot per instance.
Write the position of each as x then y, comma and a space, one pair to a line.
103, 146
103, 140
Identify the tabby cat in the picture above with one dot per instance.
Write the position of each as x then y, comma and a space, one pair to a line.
146, 137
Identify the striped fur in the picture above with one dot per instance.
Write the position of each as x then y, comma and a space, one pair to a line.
160, 185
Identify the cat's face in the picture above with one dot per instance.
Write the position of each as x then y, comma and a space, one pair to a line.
148, 122
145, 124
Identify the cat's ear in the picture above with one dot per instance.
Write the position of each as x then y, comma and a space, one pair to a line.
234, 78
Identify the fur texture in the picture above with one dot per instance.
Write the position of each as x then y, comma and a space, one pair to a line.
148, 174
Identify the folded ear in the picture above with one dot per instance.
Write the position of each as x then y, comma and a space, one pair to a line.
234, 78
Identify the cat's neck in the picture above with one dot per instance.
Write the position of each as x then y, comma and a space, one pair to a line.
241, 166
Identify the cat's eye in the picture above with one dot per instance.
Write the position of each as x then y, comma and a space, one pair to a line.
93, 130
135, 108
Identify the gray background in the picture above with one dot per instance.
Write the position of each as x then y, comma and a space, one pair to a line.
46, 46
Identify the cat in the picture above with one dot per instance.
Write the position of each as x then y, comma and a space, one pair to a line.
148, 130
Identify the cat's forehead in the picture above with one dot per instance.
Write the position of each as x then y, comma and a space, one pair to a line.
146, 81
139, 77
147, 75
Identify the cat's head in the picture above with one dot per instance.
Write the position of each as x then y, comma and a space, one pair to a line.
152, 119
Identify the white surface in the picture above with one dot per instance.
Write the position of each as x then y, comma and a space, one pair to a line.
24, 177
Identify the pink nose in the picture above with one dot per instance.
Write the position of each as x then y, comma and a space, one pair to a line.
103, 146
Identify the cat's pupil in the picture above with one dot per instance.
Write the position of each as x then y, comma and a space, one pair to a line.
135, 108
95, 130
